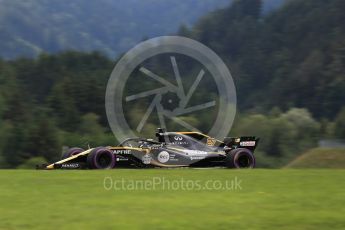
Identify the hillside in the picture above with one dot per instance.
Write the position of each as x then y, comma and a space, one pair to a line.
320, 158
294, 56
34, 26
30, 27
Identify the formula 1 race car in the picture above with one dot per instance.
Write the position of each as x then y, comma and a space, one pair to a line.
171, 149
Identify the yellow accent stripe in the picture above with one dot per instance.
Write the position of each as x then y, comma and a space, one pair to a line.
51, 166
186, 133
156, 163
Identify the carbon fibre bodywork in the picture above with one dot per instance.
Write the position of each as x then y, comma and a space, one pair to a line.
172, 149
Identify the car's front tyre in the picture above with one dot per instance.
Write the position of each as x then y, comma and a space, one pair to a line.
101, 158
71, 152
240, 158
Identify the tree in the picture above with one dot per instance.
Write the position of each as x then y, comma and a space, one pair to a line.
44, 140
63, 106
16, 142
2, 131
90, 125
306, 127
32, 163
340, 124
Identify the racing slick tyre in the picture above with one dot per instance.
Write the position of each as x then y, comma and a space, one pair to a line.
72, 152
240, 158
101, 158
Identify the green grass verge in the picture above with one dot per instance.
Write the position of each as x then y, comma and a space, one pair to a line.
320, 158
269, 199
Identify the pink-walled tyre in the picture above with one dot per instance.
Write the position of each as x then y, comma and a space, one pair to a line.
72, 152
101, 158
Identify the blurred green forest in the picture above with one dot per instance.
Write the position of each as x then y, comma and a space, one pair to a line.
288, 66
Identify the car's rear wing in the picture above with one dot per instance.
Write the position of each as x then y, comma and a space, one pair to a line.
249, 142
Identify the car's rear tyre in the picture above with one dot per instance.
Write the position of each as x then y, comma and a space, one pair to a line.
101, 158
240, 158
72, 152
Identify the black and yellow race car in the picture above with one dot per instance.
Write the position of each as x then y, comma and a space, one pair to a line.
171, 149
